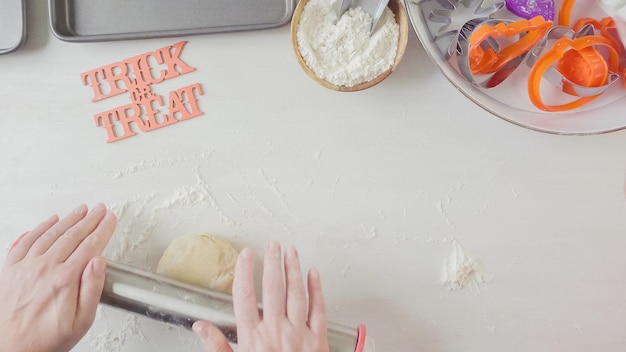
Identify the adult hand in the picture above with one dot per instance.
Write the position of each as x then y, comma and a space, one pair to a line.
51, 282
288, 324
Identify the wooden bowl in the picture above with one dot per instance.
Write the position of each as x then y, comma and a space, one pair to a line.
401, 18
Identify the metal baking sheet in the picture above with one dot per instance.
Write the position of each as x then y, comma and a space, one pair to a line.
104, 20
12, 28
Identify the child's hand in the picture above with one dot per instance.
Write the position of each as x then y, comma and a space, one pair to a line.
51, 282
288, 323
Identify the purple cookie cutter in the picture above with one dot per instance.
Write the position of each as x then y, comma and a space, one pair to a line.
531, 8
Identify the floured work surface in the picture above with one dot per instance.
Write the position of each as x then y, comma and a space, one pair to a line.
102, 20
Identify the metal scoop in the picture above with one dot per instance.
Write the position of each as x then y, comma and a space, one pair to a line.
374, 8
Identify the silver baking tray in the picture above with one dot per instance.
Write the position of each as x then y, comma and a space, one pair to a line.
12, 27
105, 20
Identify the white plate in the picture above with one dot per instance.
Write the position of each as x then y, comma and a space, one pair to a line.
510, 100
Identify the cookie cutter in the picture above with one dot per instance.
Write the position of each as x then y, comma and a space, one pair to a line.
588, 73
576, 53
565, 12
608, 29
455, 15
498, 63
605, 27
486, 61
468, 29
530, 8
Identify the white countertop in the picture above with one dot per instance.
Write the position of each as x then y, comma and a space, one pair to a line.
373, 187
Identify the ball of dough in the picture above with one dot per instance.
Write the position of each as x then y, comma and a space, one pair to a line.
201, 260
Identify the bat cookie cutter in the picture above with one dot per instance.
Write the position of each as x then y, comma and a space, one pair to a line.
485, 61
479, 56
454, 15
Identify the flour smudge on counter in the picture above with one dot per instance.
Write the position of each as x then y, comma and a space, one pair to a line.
108, 341
443, 210
160, 161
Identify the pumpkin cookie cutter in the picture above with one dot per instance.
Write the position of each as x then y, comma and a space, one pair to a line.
587, 73
605, 27
608, 29
455, 15
588, 67
479, 56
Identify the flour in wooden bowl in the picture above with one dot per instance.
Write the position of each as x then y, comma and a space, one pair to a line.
343, 51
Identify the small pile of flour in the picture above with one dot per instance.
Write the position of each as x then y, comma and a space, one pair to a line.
459, 269
342, 51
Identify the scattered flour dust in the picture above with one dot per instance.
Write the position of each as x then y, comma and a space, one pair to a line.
342, 51
109, 341
160, 161
460, 269
139, 216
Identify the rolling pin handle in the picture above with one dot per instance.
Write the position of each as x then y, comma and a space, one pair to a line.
360, 338
363, 344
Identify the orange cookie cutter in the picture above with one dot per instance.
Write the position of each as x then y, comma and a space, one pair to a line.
565, 12
608, 29
486, 60
603, 27
575, 52
463, 60
567, 75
